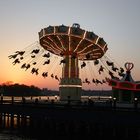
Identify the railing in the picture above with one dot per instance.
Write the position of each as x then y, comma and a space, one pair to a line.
85, 103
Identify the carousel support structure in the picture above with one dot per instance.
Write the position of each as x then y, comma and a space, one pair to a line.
72, 44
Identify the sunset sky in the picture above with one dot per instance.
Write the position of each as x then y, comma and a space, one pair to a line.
117, 21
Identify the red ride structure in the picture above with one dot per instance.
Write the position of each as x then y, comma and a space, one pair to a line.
126, 89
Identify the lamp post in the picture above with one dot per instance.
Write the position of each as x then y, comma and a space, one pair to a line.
110, 101
114, 103
135, 103
55, 97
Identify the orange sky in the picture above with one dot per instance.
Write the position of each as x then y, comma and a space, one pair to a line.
22, 20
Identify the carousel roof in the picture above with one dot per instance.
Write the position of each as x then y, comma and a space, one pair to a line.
64, 40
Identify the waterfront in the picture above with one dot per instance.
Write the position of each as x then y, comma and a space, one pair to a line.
43, 98
30, 120
98, 100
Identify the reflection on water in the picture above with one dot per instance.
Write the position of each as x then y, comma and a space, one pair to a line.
10, 126
13, 120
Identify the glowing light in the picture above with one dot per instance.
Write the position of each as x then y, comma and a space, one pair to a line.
97, 40
69, 66
85, 48
51, 45
70, 86
61, 42
80, 42
69, 39
55, 44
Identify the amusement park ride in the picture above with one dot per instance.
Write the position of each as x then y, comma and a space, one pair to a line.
73, 49
73, 44
126, 89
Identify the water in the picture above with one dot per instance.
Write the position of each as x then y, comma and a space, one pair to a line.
6, 135
9, 129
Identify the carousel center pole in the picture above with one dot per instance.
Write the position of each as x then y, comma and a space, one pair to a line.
70, 85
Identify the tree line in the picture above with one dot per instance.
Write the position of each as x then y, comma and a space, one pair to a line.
19, 90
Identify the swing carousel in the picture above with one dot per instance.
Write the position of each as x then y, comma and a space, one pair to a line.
70, 55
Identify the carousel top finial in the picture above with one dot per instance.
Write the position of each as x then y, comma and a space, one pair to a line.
76, 25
